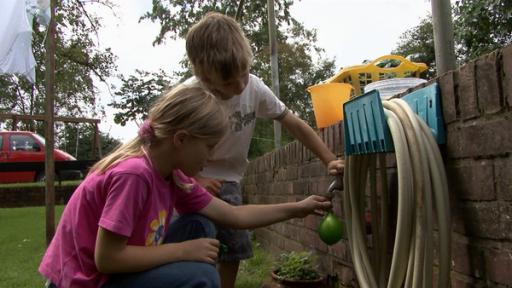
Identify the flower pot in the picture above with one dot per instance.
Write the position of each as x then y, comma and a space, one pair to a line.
316, 283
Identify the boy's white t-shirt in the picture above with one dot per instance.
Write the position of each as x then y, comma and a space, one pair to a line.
229, 158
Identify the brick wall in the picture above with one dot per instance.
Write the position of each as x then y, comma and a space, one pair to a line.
476, 103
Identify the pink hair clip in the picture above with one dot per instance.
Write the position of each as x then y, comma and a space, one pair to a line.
146, 131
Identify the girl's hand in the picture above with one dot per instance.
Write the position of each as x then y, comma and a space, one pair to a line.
202, 250
313, 204
336, 167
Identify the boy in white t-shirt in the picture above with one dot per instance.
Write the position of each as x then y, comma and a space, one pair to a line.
221, 56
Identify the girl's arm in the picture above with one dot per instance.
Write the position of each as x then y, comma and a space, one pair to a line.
113, 255
253, 216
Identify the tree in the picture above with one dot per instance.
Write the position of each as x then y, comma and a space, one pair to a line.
481, 26
78, 62
418, 43
77, 140
301, 62
137, 93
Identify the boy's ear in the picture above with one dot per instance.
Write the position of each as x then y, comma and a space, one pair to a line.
180, 137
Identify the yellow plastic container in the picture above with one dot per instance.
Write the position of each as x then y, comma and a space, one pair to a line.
361, 75
328, 99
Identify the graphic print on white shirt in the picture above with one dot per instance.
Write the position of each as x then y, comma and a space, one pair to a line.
229, 158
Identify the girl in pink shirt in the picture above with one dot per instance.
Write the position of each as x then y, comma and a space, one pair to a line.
115, 232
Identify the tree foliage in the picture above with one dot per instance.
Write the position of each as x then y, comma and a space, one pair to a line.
417, 43
79, 62
77, 139
301, 62
480, 26
136, 94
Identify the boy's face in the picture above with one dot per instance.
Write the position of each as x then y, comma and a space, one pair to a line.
226, 89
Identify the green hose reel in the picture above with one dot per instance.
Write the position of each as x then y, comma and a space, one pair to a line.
366, 128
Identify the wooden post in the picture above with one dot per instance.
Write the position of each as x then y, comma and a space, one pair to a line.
96, 143
274, 66
238, 16
49, 120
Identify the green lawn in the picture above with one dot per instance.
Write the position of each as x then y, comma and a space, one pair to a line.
41, 184
22, 244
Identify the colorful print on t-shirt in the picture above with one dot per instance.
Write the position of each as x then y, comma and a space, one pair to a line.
157, 226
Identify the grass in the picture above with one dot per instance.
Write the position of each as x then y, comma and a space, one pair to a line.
256, 270
22, 244
40, 184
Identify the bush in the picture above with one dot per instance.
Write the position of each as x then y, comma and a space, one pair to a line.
297, 266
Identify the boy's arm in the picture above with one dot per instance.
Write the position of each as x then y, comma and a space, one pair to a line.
211, 185
307, 136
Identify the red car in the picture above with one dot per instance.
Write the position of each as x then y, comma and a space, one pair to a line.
25, 146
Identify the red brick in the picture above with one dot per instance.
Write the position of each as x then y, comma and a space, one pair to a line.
346, 274
341, 131
329, 141
313, 169
467, 259
480, 138
301, 187
462, 282
340, 250
482, 219
503, 178
468, 103
472, 180
507, 73
292, 173
488, 88
506, 219
498, 264
448, 101
458, 218
338, 141
312, 221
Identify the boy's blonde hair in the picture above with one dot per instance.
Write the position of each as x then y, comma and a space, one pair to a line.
186, 107
217, 45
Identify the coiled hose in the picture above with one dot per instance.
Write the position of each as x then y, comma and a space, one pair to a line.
421, 182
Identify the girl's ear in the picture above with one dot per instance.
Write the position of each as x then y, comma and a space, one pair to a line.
180, 137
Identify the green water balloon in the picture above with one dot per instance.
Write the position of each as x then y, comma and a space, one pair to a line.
331, 229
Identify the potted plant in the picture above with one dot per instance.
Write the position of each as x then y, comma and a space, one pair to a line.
297, 269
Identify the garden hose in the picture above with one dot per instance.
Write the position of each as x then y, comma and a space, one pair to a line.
422, 185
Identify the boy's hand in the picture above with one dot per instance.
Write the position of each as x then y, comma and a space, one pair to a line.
314, 204
210, 184
336, 167
202, 250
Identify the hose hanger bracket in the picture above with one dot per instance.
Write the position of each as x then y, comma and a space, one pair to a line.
366, 128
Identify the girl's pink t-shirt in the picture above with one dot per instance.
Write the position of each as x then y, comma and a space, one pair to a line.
131, 199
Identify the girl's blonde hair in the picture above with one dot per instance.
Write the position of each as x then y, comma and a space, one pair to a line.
186, 107
217, 45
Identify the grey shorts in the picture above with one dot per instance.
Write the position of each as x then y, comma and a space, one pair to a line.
238, 242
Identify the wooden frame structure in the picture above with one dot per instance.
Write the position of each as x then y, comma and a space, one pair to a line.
50, 163
96, 139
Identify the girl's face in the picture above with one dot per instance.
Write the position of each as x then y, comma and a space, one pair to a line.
193, 154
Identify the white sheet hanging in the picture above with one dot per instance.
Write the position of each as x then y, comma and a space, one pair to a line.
16, 35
